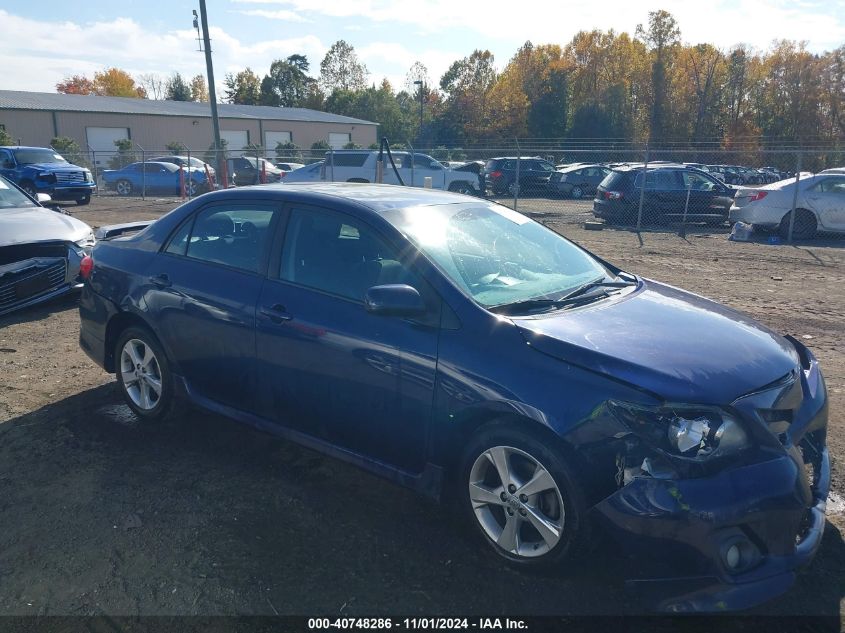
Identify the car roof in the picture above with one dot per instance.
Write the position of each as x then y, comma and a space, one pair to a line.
570, 168
517, 158
374, 197
49, 149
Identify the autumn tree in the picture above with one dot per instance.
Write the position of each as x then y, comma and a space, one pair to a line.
76, 85
467, 84
341, 69
114, 82
199, 89
662, 36
243, 88
177, 89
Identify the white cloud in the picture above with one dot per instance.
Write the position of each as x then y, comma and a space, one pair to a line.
281, 14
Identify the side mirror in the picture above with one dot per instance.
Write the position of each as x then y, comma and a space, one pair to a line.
394, 300
43, 198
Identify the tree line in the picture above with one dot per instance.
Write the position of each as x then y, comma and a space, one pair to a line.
601, 87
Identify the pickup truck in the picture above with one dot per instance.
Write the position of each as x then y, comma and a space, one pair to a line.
43, 170
360, 166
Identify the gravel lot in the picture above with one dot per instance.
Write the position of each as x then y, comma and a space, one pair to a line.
99, 516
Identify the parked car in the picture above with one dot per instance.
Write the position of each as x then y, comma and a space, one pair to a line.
820, 205
248, 170
413, 168
184, 161
288, 167
669, 189
534, 175
726, 173
160, 178
308, 173
579, 181
43, 170
459, 348
40, 249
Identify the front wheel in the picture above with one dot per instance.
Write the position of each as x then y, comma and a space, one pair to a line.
83, 201
143, 374
29, 188
522, 498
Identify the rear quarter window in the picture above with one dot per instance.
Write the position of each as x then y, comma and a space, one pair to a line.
614, 180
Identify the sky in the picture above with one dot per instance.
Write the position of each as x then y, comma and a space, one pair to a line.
43, 42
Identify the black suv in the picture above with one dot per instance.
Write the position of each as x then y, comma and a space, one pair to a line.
534, 174
665, 197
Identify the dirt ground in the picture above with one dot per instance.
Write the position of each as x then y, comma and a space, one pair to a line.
203, 516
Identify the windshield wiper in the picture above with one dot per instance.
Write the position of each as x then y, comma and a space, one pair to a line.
575, 296
598, 283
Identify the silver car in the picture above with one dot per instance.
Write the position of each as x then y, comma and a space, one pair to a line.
40, 249
820, 205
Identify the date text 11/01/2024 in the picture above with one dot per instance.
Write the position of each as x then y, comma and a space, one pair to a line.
417, 623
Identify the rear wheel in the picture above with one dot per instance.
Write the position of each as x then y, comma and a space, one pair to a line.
461, 187
521, 498
123, 187
577, 192
804, 227
143, 373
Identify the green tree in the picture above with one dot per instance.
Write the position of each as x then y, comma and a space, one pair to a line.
288, 84
320, 146
177, 89
69, 149
341, 69
288, 150
124, 155
243, 88
6, 138
176, 147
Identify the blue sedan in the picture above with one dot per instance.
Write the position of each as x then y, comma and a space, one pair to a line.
459, 348
155, 177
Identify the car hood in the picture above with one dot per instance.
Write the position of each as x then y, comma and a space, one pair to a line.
674, 344
54, 167
37, 224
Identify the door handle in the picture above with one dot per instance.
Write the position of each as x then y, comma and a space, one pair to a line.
276, 313
162, 280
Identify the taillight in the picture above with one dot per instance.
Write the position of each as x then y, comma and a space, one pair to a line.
86, 267
496, 174
613, 195
758, 195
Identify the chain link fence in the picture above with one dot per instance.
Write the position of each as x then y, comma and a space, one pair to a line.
597, 184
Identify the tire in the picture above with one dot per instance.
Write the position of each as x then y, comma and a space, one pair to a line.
29, 188
505, 520
577, 192
804, 228
512, 189
123, 187
461, 187
192, 188
83, 201
140, 364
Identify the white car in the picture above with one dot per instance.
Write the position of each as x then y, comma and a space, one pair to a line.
820, 205
308, 173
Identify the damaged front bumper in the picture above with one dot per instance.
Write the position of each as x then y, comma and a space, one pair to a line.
33, 273
736, 537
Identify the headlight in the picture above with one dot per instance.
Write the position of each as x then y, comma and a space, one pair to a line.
687, 431
87, 241
87, 173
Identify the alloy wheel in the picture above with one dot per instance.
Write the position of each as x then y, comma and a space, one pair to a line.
124, 187
516, 501
141, 374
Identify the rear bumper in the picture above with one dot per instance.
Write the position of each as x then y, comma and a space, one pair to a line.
754, 214
95, 312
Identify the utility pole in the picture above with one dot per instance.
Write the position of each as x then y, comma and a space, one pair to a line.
212, 91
